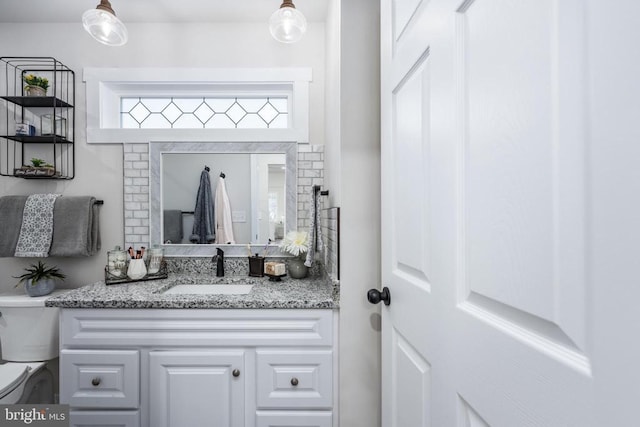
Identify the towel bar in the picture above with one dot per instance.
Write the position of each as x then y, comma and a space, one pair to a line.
322, 192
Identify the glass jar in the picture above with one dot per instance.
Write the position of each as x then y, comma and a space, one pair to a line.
117, 262
155, 260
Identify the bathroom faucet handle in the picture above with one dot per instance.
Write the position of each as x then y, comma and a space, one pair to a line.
219, 255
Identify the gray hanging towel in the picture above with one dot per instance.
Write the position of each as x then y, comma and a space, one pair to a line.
172, 226
76, 227
11, 210
315, 229
203, 227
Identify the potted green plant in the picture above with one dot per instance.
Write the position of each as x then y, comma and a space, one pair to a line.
38, 167
39, 279
36, 86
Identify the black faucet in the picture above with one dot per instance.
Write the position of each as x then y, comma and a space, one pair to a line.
219, 259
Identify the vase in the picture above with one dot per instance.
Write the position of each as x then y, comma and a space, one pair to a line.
39, 288
35, 91
297, 269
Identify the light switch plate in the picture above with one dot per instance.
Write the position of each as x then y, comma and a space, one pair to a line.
239, 216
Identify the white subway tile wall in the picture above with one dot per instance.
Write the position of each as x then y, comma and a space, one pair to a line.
136, 188
330, 240
310, 173
136, 195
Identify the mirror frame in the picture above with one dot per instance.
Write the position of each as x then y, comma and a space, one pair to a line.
157, 149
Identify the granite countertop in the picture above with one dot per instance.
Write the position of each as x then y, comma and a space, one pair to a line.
314, 292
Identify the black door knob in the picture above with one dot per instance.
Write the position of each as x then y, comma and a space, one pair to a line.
375, 296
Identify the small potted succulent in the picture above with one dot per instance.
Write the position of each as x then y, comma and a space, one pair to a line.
36, 86
39, 279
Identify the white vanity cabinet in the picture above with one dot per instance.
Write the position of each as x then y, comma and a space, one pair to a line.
199, 367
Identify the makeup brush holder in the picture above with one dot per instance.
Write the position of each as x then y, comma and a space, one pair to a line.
137, 270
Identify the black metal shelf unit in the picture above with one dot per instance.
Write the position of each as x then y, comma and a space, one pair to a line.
37, 127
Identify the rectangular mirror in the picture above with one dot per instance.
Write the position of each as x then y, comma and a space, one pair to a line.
260, 179
255, 184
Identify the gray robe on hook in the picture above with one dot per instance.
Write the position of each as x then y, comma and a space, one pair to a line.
203, 226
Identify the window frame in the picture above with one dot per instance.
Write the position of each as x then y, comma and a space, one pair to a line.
106, 86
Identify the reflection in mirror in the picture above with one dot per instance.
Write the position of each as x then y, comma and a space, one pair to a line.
260, 180
255, 184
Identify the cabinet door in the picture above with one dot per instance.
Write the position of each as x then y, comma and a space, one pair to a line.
104, 418
293, 419
196, 388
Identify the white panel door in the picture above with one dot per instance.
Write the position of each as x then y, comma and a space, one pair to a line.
197, 388
498, 230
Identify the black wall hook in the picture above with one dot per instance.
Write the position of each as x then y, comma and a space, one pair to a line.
222, 175
207, 168
319, 188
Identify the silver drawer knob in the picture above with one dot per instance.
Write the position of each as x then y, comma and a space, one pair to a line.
95, 382
236, 372
294, 381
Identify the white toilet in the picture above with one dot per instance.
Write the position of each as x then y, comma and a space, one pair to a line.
28, 339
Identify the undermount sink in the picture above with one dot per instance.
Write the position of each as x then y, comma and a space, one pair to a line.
209, 289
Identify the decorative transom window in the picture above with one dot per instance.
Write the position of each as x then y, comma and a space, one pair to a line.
204, 112
134, 105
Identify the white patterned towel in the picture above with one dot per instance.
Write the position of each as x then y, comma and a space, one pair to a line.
37, 226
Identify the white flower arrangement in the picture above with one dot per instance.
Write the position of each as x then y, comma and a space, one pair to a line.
295, 243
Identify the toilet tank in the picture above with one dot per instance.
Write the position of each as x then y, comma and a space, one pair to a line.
28, 329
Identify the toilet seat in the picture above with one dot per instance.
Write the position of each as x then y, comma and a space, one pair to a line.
14, 377
11, 376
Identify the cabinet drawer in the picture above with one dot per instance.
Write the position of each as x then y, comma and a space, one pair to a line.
293, 419
82, 328
294, 379
100, 378
104, 418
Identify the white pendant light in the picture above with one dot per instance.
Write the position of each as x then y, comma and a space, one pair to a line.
287, 24
103, 25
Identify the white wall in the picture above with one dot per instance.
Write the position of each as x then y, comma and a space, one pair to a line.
352, 174
99, 167
332, 103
